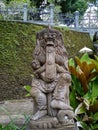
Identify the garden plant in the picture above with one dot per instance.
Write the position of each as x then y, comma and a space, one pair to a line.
84, 90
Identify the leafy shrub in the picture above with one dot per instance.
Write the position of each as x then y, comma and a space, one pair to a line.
84, 95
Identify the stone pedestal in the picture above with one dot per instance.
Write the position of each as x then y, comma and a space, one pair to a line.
51, 123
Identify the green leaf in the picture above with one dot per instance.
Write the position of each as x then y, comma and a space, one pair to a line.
87, 95
85, 58
28, 95
84, 126
1, 127
73, 100
71, 62
28, 88
80, 109
95, 117
87, 103
94, 127
96, 64
77, 85
96, 57
95, 87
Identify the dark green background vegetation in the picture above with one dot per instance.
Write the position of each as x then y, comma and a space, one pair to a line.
66, 6
17, 42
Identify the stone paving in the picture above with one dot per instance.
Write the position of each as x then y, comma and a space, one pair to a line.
17, 111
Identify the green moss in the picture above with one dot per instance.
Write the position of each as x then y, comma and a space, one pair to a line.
74, 40
17, 42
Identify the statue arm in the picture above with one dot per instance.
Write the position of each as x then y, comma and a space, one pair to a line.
60, 69
40, 70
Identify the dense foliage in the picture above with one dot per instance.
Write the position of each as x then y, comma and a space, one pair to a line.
84, 95
66, 5
73, 5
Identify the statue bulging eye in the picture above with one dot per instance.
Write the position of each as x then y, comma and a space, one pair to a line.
54, 35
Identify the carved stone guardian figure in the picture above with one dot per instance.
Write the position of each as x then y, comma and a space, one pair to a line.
95, 42
50, 86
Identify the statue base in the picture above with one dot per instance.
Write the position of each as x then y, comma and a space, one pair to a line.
51, 123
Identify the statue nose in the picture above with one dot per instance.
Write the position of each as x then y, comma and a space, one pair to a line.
50, 36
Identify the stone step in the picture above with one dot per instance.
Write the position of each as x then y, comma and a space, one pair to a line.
16, 107
16, 111
17, 119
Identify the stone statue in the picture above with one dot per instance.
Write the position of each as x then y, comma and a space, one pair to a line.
95, 42
50, 87
95, 37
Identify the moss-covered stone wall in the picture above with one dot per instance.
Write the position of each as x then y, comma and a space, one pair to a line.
17, 42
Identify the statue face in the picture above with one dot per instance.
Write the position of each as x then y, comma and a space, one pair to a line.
47, 39
49, 36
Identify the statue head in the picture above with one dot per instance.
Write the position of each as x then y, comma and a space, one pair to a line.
50, 36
